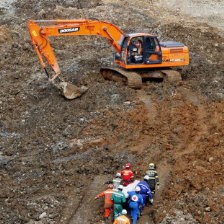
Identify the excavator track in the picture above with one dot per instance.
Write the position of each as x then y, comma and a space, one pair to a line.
129, 78
134, 79
172, 76
167, 74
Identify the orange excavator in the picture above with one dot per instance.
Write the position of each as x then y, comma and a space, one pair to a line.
139, 55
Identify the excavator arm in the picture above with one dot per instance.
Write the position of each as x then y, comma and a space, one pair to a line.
41, 29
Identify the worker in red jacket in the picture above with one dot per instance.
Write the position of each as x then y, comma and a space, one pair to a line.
127, 175
108, 204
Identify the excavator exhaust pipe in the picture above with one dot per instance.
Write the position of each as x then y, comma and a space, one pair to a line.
69, 91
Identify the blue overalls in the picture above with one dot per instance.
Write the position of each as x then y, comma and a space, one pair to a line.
145, 190
134, 202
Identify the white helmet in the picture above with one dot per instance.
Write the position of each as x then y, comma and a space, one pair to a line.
118, 175
124, 212
151, 166
137, 189
120, 187
146, 177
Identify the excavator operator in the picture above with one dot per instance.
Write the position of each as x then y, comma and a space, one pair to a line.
136, 49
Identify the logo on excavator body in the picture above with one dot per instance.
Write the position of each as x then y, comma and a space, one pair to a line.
171, 60
69, 30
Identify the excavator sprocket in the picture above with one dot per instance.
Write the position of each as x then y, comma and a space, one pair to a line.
129, 78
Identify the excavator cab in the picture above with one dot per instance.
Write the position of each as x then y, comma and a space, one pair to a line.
142, 56
140, 49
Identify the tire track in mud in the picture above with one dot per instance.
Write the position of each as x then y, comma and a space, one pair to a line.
151, 109
186, 145
202, 123
86, 205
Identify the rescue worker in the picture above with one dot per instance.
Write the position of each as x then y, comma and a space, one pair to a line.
145, 191
116, 181
127, 175
153, 178
123, 219
135, 203
108, 203
118, 198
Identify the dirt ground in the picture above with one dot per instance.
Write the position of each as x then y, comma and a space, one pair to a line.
56, 154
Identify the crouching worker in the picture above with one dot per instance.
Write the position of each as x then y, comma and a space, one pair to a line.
123, 219
108, 204
135, 203
118, 198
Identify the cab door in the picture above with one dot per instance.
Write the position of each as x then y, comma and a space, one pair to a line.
123, 50
151, 50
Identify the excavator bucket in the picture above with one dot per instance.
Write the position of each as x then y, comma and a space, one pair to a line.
71, 91
68, 90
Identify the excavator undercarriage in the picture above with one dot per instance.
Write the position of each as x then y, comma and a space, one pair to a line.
133, 79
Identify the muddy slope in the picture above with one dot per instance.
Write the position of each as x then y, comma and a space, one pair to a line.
56, 154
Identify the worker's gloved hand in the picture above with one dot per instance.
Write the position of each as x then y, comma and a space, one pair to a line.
157, 187
151, 200
108, 182
96, 198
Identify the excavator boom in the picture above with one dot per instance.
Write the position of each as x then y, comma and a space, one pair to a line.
41, 29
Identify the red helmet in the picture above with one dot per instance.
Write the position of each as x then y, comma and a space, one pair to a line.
110, 186
128, 165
